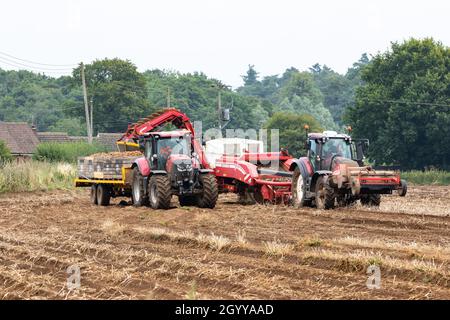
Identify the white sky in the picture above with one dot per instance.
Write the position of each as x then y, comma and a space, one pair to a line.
218, 37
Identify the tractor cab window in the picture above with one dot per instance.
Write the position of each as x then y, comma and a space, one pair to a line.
312, 152
336, 147
148, 149
175, 145
168, 146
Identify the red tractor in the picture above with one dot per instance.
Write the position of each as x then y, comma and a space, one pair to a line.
333, 172
170, 166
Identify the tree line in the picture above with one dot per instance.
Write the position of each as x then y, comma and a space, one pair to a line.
399, 99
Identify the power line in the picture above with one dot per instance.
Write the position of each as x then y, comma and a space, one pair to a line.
21, 65
432, 104
39, 63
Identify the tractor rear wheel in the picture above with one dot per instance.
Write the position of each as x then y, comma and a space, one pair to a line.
346, 200
187, 201
299, 190
160, 192
137, 189
103, 195
371, 200
325, 196
403, 188
210, 193
94, 194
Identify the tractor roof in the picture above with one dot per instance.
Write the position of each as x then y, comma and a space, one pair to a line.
328, 134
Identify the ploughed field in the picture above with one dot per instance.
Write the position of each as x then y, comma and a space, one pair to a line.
232, 252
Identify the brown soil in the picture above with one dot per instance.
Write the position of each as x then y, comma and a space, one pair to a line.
232, 252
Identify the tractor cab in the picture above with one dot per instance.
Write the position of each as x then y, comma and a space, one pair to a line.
325, 149
164, 150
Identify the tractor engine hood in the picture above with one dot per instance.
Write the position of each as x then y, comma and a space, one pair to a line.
344, 161
179, 162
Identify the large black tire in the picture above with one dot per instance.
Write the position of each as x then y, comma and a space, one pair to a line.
371, 200
346, 200
246, 197
137, 189
103, 195
188, 201
403, 188
210, 193
325, 195
94, 194
160, 192
299, 190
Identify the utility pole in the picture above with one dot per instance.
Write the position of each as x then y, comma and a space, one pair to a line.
168, 97
86, 105
91, 118
219, 108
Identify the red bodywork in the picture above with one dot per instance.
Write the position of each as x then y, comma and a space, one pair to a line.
229, 170
247, 170
160, 119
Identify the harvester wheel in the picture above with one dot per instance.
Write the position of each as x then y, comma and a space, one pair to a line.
160, 192
94, 194
299, 190
246, 197
210, 193
325, 197
187, 201
371, 200
103, 195
137, 189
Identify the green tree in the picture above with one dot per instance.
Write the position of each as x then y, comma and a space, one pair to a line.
336, 89
72, 126
292, 131
251, 77
5, 154
403, 105
118, 91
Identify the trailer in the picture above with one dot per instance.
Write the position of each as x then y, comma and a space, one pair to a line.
108, 175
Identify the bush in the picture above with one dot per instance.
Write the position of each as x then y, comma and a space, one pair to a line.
5, 154
434, 177
65, 152
33, 175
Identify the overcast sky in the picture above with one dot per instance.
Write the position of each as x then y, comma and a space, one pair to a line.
218, 37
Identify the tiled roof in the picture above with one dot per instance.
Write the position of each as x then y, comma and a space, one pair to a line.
53, 137
108, 140
19, 137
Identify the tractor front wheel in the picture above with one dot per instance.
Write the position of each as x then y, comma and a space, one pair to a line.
160, 192
137, 189
299, 190
325, 196
210, 193
371, 200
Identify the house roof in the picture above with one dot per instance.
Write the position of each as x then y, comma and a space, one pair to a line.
19, 137
53, 137
108, 139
